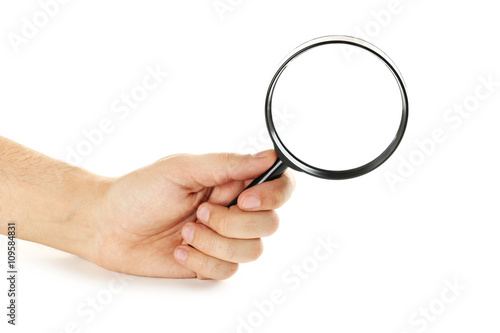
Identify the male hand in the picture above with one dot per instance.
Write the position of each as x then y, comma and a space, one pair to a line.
147, 217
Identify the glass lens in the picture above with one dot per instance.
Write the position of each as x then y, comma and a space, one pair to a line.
342, 105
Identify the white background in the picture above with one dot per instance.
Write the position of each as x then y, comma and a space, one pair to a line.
398, 246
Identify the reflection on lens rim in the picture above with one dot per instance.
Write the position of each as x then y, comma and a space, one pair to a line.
295, 163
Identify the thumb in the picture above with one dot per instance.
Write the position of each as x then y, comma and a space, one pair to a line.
195, 171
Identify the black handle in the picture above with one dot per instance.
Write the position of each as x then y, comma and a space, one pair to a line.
272, 173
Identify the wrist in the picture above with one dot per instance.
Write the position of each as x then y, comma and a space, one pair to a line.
80, 223
51, 202
63, 212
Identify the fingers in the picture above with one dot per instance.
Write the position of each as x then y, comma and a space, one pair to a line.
228, 236
205, 266
268, 195
228, 249
234, 223
198, 171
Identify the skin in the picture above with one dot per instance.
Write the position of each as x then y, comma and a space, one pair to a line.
167, 219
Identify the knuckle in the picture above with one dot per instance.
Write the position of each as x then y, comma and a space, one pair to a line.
225, 158
230, 251
215, 269
228, 160
223, 225
210, 245
204, 264
278, 198
291, 179
257, 250
274, 222
231, 269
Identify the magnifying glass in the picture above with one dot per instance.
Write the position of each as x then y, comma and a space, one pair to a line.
337, 108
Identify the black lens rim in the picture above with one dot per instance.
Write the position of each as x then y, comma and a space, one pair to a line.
291, 160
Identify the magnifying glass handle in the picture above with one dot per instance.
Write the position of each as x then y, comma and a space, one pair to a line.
272, 173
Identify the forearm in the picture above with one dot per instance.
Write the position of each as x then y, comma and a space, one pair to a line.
52, 203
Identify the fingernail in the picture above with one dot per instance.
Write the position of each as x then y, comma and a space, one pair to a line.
203, 214
264, 153
181, 254
251, 203
187, 233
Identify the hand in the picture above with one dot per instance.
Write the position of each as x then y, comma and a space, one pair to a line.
149, 215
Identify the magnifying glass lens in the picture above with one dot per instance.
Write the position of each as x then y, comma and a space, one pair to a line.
336, 107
